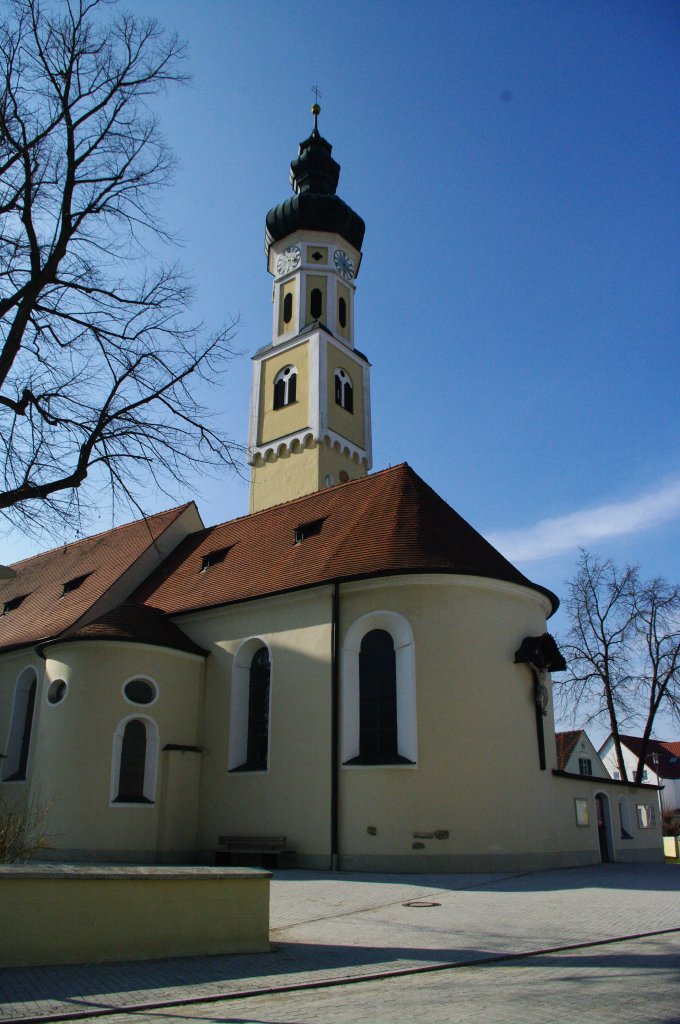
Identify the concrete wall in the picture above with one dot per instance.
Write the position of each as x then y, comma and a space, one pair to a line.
62, 915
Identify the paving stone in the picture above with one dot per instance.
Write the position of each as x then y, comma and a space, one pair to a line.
327, 927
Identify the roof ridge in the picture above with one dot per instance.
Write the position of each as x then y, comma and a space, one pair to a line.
102, 533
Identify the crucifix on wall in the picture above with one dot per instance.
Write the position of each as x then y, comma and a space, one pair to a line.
542, 655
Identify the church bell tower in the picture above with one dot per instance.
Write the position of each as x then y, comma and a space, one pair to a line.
310, 418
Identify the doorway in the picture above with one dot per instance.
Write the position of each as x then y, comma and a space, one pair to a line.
603, 827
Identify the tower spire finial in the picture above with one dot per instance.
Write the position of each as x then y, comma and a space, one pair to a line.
316, 109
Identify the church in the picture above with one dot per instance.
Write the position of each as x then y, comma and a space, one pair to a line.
347, 677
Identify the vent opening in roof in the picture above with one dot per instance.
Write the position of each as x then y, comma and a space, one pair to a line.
73, 584
215, 557
306, 530
13, 603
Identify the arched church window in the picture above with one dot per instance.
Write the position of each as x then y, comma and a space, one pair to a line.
344, 392
19, 744
316, 303
135, 755
377, 699
342, 311
250, 704
288, 308
258, 711
285, 387
378, 692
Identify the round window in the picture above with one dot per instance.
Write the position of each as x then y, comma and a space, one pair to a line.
139, 691
56, 691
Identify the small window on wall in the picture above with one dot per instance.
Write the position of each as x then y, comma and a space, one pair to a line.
585, 766
285, 387
140, 691
344, 393
135, 753
288, 308
15, 763
645, 816
56, 691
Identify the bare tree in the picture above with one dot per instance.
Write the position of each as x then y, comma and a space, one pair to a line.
98, 363
622, 650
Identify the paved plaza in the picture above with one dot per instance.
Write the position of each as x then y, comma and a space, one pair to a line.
585, 945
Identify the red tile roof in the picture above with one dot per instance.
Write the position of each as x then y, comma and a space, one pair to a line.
133, 623
388, 523
566, 742
46, 610
668, 752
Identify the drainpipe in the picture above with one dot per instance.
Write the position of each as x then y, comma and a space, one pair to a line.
335, 725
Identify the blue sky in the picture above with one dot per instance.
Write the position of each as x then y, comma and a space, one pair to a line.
516, 164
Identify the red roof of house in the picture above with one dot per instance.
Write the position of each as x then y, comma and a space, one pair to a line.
566, 742
388, 523
668, 752
46, 610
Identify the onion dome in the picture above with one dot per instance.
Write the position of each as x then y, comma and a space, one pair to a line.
315, 206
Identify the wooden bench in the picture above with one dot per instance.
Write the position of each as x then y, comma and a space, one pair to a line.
254, 851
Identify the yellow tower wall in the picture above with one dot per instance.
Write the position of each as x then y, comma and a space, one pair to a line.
274, 423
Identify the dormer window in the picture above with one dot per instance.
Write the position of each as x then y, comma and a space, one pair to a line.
285, 387
311, 529
13, 603
214, 557
344, 393
74, 584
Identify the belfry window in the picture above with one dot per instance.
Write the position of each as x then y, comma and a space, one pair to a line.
342, 312
316, 303
15, 763
288, 307
344, 393
285, 387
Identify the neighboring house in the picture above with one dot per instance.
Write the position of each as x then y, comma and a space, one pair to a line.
350, 666
577, 755
661, 767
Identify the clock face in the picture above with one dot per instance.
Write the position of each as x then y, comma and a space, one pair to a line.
344, 264
288, 260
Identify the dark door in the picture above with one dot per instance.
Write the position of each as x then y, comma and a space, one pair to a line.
601, 812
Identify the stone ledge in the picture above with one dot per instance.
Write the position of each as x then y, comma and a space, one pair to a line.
160, 872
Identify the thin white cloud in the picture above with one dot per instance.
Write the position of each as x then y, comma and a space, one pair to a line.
555, 536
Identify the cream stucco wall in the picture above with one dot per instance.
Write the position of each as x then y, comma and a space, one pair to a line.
477, 776
292, 797
72, 748
475, 799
